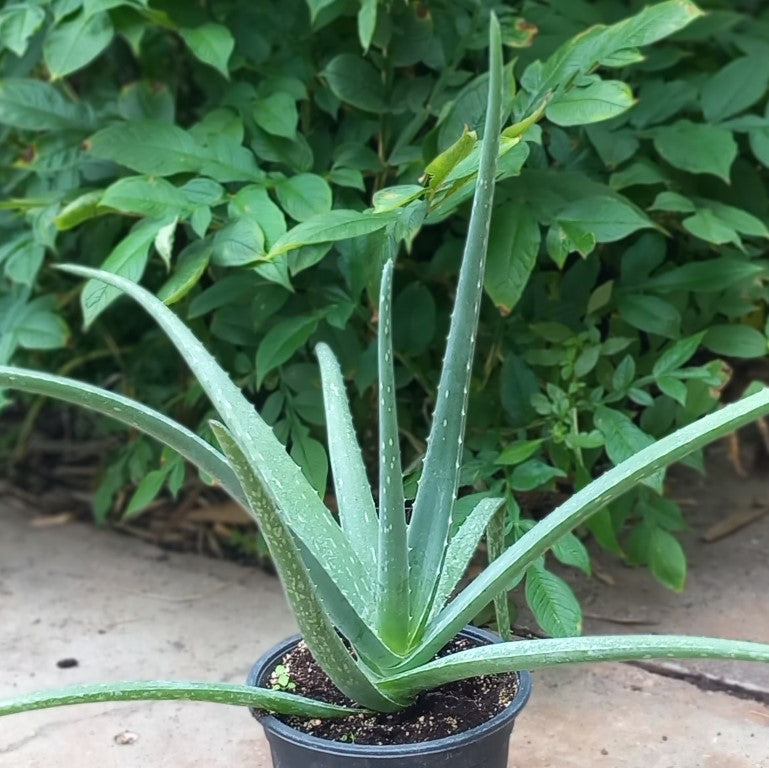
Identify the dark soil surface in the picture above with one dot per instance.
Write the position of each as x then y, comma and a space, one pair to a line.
435, 714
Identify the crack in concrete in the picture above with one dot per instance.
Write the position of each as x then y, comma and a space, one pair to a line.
704, 681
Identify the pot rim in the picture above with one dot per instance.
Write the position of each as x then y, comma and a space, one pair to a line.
275, 727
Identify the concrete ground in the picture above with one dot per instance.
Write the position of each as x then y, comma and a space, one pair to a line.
124, 609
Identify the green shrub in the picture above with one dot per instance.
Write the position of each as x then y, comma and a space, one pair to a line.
200, 148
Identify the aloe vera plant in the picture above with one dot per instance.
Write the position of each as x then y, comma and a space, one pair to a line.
373, 592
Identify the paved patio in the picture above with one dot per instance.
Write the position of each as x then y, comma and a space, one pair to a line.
123, 609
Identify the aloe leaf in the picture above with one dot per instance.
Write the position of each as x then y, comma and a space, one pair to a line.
461, 549
279, 702
393, 579
431, 517
495, 543
196, 450
593, 497
532, 654
299, 503
357, 513
369, 646
325, 644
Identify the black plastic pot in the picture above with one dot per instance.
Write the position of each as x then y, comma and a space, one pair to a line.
482, 747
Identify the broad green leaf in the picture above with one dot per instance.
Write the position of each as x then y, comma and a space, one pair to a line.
431, 518
191, 264
677, 355
212, 44
706, 225
146, 100
623, 439
462, 548
282, 340
147, 196
71, 45
316, 6
667, 560
614, 147
697, 147
513, 249
166, 431
735, 341
393, 578
304, 195
624, 374
441, 166
672, 201
254, 202
735, 88
201, 191
33, 105
127, 259
759, 143
162, 149
608, 218
18, 23
355, 81
239, 243
571, 551
745, 223
325, 644
357, 513
391, 198
416, 314
642, 173
147, 490
650, 314
710, 276
518, 452
154, 148
311, 456
673, 387
534, 654
24, 264
266, 699
277, 114
584, 104
330, 227
517, 383
533, 474
552, 602
164, 241
367, 22
40, 328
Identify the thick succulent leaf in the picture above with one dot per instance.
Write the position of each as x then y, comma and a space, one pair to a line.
300, 505
393, 598
196, 450
279, 702
325, 644
461, 549
495, 543
431, 517
357, 512
531, 654
593, 497
370, 649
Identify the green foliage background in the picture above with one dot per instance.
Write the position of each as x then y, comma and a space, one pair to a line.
202, 147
